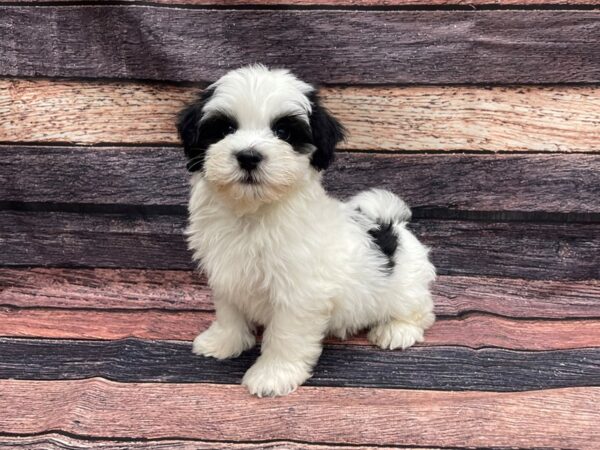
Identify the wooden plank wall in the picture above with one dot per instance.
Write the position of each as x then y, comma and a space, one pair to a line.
483, 114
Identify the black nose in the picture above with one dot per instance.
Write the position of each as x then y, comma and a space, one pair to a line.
249, 159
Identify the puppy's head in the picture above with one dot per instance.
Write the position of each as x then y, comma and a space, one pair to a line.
257, 133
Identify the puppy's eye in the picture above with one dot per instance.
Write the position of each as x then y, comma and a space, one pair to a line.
228, 128
283, 132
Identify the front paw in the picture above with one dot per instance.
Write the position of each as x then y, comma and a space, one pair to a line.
222, 343
272, 378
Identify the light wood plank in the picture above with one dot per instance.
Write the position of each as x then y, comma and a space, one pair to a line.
560, 418
138, 289
555, 118
474, 331
196, 44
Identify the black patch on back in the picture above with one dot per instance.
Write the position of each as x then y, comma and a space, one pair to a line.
386, 239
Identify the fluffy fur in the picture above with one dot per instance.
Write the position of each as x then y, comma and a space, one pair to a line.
277, 250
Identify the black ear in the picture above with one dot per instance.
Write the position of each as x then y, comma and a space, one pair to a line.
326, 133
188, 126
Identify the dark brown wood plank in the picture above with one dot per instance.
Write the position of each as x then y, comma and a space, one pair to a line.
156, 176
149, 42
510, 249
135, 289
94, 240
334, 3
57, 441
420, 118
520, 250
442, 368
474, 331
332, 415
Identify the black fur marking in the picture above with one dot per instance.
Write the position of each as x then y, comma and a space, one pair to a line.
327, 132
295, 131
386, 239
197, 136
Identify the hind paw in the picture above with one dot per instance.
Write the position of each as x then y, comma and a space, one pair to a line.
395, 334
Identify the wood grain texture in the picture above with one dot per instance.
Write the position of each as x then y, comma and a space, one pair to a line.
156, 176
559, 418
554, 118
135, 289
170, 290
56, 441
441, 368
474, 331
503, 249
516, 297
333, 3
149, 42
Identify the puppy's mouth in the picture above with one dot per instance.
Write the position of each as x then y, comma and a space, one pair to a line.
249, 178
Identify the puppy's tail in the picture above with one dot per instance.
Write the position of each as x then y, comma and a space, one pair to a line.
381, 206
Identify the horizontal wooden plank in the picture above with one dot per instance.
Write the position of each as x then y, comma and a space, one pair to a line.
516, 297
533, 184
442, 368
474, 331
514, 250
333, 3
56, 441
151, 42
135, 289
332, 415
552, 118
109, 289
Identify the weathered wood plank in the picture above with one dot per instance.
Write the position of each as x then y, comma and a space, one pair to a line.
333, 415
156, 176
553, 118
333, 3
149, 42
517, 298
442, 368
510, 249
135, 289
94, 240
474, 331
56, 441
119, 289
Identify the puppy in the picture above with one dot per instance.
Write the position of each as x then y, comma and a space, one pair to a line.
277, 250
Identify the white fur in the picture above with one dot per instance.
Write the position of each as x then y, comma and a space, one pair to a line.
285, 255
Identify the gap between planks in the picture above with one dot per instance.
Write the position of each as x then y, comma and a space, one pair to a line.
520, 118
334, 415
63, 441
474, 331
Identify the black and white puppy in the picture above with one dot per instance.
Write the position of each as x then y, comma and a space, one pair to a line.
277, 250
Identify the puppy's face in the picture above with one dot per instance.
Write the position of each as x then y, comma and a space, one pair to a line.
256, 133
